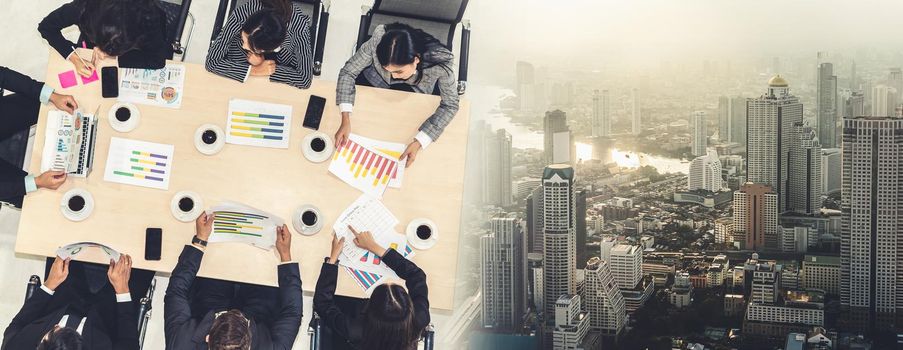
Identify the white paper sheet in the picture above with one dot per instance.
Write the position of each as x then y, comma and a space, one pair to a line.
253, 123
235, 222
139, 163
361, 165
156, 87
365, 214
74, 249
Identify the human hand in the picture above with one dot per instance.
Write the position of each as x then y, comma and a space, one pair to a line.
64, 103
341, 135
50, 179
119, 273
284, 243
410, 153
266, 68
337, 245
82, 67
365, 240
58, 273
203, 226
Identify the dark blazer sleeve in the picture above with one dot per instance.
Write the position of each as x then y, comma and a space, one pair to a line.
285, 328
51, 27
33, 309
11, 177
176, 304
126, 327
415, 281
324, 301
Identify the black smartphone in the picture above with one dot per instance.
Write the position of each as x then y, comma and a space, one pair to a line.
153, 241
314, 112
109, 80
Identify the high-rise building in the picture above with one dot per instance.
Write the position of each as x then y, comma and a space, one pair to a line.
526, 88
830, 170
534, 273
756, 217
724, 119
597, 114
606, 114
571, 324
804, 192
626, 265
884, 101
534, 218
700, 135
724, 228
826, 104
497, 169
821, 272
635, 126
581, 229
771, 136
895, 80
871, 205
602, 299
766, 283
503, 260
559, 226
557, 141
705, 173
681, 293
737, 110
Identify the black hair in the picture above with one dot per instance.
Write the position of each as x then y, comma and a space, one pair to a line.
389, 319
117, 26
230, 331
267, 27
64, 338
402, 43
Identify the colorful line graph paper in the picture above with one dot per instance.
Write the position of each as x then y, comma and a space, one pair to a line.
139, 163
260, 124
368, 280
363, 167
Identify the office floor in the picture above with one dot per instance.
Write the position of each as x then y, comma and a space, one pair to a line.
26, 52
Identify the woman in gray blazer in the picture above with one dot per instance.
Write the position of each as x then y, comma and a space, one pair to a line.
400, 57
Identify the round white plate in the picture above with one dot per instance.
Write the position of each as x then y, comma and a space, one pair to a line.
314, 156
85, 212
127, 125
301, 227
415, 241
213, 148
191, 215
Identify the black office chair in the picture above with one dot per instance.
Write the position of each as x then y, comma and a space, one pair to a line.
321, 338
144, 308
318, 10
437, 18
176, 17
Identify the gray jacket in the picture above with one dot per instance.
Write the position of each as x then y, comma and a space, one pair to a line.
443, 73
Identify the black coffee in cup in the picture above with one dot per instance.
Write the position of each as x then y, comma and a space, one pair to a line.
123, 114
424, 232
186, 204
76, 203
209, 137
309, 218
317, 144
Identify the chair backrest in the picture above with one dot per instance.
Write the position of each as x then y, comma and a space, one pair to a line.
172, 11
311, 8
437, 18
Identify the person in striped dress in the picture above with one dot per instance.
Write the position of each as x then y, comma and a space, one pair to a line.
268, 38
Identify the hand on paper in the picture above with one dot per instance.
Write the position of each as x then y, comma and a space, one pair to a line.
284, 243
203, 226
50, 179
58, 273
337, 244
119, 273
341, 135
83, 67
365, 240
266, 68
410, 153
64, 103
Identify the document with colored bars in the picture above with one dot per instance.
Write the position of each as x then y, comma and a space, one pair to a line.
368, 165
72, 150
235, 222
139, 163
156, 87
253, 123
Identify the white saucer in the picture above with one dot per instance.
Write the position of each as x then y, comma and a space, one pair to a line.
416, 242
212, 148
301, 227
85, 212
191, 215
127, 125
314, 156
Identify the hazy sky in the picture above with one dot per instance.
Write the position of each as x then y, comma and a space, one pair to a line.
582, 33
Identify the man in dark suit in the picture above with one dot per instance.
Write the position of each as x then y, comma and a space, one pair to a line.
19, 111
201, 313
66, 314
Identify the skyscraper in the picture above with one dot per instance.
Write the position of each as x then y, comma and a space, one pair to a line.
559, 226
804, 193
700, 135
597, 114
571, 324
756, 217
526, 88
884, 101
705, 173
737, 109
602, 298
826, 104
895, 80
771, 136
503, 260
626, 265
724, 118
534, 221
580, 230
557, 141
497, 169
871, 222
606, 114
637, 115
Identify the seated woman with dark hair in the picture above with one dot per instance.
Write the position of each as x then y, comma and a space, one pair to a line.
134, 31
400, 57
393, 318
268, 38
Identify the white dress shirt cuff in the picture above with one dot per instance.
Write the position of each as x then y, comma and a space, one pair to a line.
345, 107
30, 185
123, 298
247, 74
424, 139
47, 290
46, 91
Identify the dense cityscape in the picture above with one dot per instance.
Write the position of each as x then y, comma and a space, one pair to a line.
709, 205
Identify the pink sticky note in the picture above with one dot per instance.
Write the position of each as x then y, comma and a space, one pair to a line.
90, 79
67, 79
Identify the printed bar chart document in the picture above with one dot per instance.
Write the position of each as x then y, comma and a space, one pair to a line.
139, 163
234, 222
253, 123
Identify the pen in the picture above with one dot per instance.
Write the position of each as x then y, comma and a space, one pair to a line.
79, 56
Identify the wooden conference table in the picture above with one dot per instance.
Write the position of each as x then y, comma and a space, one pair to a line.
272, 180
